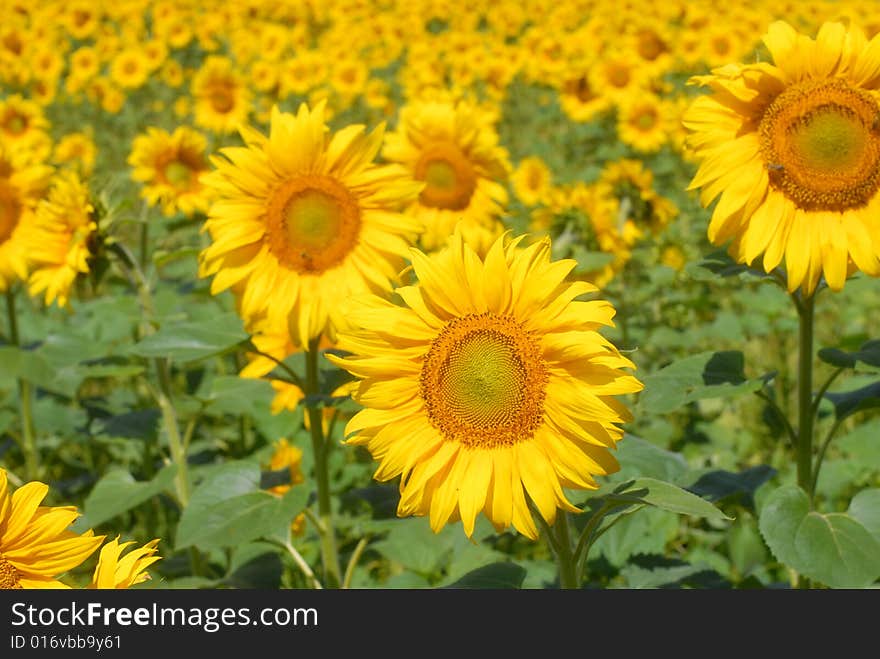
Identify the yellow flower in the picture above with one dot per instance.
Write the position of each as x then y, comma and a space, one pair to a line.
644, 122
115, 571
491, 384
76, 149
21, 121
59, 246
287, 456
303, 219
793, 150
130, 68
452, 147
22, 183
169, 165
639, 210
222, 100
579, 98
531, 180
36, 545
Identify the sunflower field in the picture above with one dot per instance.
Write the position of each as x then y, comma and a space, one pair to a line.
383, 294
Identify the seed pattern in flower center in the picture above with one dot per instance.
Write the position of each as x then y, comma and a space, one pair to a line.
450, 179
821, 144
9, 576
314, 222
483, 381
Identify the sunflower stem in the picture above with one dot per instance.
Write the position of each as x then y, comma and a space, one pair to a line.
172, 428
329, 553
25, 394
564, 555
805, 393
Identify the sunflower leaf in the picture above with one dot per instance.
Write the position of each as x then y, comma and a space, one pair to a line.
868, 353
193, 340
493, 576
835, 549
850, 402
118, 492
665, 496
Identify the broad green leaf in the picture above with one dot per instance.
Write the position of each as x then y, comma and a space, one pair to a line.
232, 521
639, 457
493, 576
118, 492
191, 341
28, 365
850, 402
646, 531
705, 375
660, 576
834, 549
719, 484
666, 496
865, 507
869, 354
413, 544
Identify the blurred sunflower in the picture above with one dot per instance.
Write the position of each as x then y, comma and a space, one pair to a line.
21, 121
303, 219
22, 183
491, 385
77, 150
115, 571
289, 457
130, 68
793, 150
60, 244
169, 165
639, 210
452, 147
36, 545
531, 180
222, 99
644, 122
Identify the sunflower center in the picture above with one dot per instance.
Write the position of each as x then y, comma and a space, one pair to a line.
821, 144
9, 575
221, 98
314, 222
178, 174
483, 381
16, 124
10, 210
449, 177
646, 120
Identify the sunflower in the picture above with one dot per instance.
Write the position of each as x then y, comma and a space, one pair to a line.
452, 147
61, 241
21, 121
644, 122
169, 165
130, 68
793, 149
115, 571
289, 457
490, 385
531, 180
222, 100
36, 545
77, 150
639, 209
302, 219
22, 183
579, 99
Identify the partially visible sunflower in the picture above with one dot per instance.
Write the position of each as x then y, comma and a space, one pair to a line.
303, 219
169, 165
491, 385
22, 183
531, 180
222, 99
36, 545
21, 121
115, 571
289, 457
130, 69
793, 150
453, 147
60, 244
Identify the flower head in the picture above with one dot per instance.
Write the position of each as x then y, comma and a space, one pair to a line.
792, 151
489, 386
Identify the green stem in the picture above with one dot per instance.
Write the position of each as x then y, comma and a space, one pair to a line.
353, 561
564, 555
819, 394
586, 539
821, 456
172, 428
329, 553
805, 309
25, 395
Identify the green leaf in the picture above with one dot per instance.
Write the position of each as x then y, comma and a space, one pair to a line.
705, 375
850, 402
834, 549
118, 492
719, 484
16, 363
413, 544
639, 457
191, 341
868, 353
665, 496
865, 507
227, 509
493, 576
